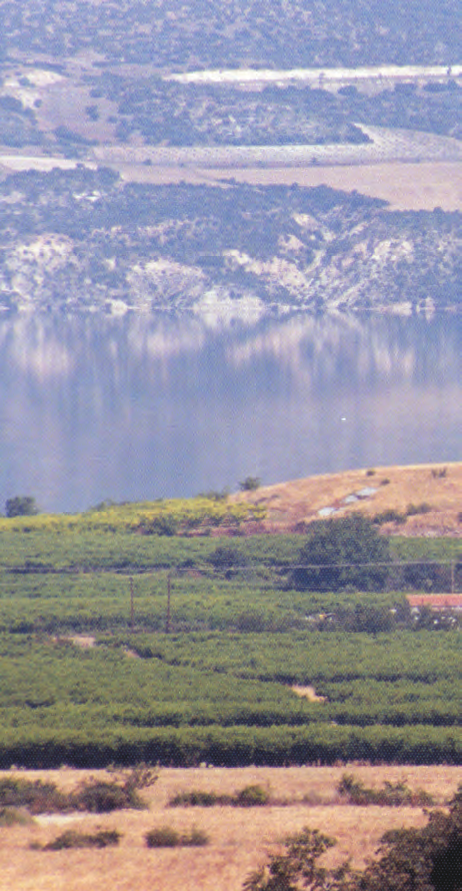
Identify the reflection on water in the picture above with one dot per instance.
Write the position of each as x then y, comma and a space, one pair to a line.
145, 407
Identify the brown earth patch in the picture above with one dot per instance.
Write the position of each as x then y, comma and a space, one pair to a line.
85, 641
239, 837
308, 692
434, 489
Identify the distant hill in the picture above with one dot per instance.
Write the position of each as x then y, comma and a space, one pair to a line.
93, 86
199, 33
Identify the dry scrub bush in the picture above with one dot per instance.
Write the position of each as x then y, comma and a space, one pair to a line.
390, 795
94, 795
103, 838
250, 796
168, 837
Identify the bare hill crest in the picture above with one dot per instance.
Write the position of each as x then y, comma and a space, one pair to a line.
423, 499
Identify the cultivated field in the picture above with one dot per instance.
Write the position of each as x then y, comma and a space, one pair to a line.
239, 837
412, 170
406, 186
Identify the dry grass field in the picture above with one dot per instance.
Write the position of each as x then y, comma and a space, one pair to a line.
239, 837
439, 487
406, 186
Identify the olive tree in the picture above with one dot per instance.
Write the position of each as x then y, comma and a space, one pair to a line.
423, 859
21, 506
343, 552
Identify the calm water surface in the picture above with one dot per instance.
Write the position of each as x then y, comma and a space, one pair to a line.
146, 407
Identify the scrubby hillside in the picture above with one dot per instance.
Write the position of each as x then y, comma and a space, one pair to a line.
81, 239
200, 33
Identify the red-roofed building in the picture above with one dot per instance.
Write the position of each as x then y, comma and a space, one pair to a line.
437, 602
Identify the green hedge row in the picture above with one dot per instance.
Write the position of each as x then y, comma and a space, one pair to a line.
234, 747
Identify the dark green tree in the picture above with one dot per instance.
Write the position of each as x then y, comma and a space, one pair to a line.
227, 559
21, 506
250, 484
426, 859
344, 552
296, 867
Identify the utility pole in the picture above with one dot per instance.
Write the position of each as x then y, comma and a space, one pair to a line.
169, 592
132, 605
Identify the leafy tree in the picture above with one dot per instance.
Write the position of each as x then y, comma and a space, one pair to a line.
427, 859
342, 552
21, 506
250, 484
226, 558
296, 868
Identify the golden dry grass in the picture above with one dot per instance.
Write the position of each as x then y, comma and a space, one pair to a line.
406, 186
301, 500
239, 838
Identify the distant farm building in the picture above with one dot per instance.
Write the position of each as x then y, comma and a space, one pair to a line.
436, 602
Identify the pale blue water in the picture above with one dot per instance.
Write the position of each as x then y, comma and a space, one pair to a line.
147, 407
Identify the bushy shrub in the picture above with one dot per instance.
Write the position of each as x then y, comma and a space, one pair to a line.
100, 797
160, 525
390, 795
38, 797
422, 508
103, 838
162, 837
195, 798
390, 515
168, 837
251, 796
251, 621
21, 506
226, 559
95, 796
250, 484
195, 838
103, 796
12, 816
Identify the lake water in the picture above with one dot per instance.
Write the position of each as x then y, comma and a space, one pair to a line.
145, 407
